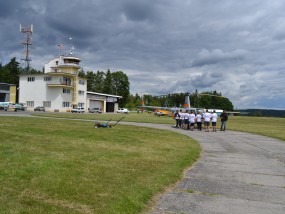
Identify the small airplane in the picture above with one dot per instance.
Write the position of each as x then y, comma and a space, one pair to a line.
169, 111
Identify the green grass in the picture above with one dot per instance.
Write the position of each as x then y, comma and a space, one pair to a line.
267, 126
131, 117
63, 166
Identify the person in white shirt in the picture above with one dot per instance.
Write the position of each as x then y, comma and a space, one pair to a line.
214, 117
192, 120
186, 120
199, 121
207, 119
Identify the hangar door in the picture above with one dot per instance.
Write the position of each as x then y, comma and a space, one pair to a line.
110, 107
95, 104
2, 97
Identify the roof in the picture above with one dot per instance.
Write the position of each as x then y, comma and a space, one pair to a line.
101, 94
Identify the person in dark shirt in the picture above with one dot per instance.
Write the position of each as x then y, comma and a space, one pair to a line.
177, 118
224, 118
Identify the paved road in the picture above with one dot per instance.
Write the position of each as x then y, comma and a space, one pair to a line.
238, 173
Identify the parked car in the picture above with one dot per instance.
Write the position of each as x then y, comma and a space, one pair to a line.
40, 108
78, 110
95, 110
123, 110
19, 107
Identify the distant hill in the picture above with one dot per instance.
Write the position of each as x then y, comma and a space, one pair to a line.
262, 112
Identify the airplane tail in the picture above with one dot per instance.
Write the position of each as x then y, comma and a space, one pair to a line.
187, 102
142, 105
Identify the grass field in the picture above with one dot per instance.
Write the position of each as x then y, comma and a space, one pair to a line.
63, 166
267, 126
132, 117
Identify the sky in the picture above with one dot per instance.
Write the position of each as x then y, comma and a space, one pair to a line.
163, 46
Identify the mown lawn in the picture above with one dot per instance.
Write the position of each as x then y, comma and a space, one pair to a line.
131, 117
62, 166
267, 126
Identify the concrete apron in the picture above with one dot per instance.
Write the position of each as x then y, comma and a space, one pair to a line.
237, 173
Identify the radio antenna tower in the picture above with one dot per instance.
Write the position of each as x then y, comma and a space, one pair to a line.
26, 59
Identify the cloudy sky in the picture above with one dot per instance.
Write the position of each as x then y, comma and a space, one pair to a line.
164, 46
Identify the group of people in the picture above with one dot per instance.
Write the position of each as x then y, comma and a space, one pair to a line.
188, 119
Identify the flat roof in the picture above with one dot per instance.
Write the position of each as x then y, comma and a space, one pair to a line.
2, 83
101, 94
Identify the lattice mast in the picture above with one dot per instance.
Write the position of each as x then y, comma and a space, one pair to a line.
27, 42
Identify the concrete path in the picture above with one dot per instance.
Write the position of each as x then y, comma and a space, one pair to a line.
237, 173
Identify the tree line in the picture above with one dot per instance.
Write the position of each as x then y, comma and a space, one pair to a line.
207, 100
10, 72
115, 83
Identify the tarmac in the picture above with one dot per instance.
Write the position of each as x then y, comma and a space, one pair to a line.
238, 173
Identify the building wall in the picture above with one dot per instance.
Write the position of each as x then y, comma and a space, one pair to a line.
13, 92
32, 90
7, 92
39, 91
82, 86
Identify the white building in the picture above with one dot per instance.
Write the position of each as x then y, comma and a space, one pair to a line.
60, 88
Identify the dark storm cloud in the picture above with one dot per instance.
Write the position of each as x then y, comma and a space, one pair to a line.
139, 11
206, 57
164, 46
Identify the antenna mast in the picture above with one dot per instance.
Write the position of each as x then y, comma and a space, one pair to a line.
28, 31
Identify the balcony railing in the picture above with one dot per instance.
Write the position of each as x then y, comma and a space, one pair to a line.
62, 83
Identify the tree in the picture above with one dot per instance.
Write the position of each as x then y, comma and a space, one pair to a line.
81, 73
107, 86
90, 81
99, 81
10, 72
121, 86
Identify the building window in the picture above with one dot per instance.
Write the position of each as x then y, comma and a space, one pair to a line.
66, 81
81, 82
65, 104
81, 105
66, 90
47, 104
31, 79
80, 92
30, 103
5, 87
47, 78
